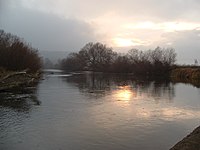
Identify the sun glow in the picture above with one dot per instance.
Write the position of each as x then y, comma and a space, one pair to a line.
120, 42
127, 42
164, 26
124, 93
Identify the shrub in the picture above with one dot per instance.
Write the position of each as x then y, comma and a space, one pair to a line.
99, 57
16, 55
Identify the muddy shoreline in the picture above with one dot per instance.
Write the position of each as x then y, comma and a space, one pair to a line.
190, 142
18, 80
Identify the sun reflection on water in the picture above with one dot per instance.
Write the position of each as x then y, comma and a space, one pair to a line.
124, 93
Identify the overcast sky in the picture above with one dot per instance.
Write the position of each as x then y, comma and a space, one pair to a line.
67, 25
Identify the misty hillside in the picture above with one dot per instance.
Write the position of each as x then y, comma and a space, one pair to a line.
54, 56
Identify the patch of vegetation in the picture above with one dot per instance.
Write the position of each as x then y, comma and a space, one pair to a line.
19, 63
186, 73
16, 55
17, 80
98, 57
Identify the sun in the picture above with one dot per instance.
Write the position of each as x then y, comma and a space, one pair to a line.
128, 42
122, 42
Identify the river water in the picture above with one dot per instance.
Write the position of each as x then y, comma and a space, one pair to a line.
98, 112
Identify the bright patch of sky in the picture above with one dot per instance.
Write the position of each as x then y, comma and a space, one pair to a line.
68, 25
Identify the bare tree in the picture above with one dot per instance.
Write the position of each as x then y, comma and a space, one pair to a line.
15, 54
97, 56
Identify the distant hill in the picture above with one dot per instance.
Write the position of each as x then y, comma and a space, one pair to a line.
53, 56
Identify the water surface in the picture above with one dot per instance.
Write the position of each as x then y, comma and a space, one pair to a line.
97, 111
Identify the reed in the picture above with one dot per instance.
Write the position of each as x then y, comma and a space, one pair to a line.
186, 73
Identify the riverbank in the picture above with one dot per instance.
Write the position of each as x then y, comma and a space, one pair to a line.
189, 75
190, 142
10, 80
186, 73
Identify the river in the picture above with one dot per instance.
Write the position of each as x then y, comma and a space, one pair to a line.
98, 112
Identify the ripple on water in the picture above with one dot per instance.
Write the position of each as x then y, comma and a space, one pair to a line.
98, 112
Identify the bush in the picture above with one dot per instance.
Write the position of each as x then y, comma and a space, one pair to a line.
98, 57
16, 55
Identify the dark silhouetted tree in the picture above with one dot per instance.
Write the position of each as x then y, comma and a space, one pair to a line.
16, 54
73, 62
98, 57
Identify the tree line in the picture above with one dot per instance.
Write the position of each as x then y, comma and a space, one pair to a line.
17, 55
100, 58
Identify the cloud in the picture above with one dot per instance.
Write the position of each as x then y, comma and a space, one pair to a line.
68, 25
165, 26
186, 44
3, 4
47, 31
148, 9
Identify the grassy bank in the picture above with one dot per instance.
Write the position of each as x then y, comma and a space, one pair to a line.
190, 75
10, 80
186, 73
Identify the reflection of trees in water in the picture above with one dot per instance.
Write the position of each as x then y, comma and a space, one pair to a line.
98, 85
194, 82
94, 85
158, 90
21, 101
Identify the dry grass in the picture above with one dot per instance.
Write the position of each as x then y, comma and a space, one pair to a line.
186, 73
15, 80
4, 72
